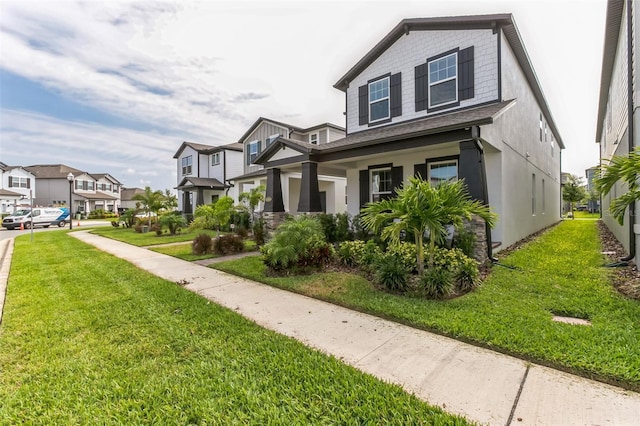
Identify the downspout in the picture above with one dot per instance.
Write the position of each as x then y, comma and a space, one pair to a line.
630, 112
475, 135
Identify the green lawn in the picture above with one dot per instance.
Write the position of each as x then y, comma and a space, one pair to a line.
586, 215
128, 235
512, 311
184, 252
87, 338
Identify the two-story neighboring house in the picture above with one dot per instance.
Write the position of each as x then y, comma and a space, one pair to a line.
331, 189
16, 188
616, 130
444, 98
204, 172
89, 192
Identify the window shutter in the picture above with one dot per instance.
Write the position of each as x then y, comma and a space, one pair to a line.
248, 151
420, 170
396, 179
422, 87
10, 181
363, 104
259, 147
465, 74
395, 89
28, 183
364, 187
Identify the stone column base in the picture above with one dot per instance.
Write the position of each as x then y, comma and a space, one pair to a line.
478, 227
273, 219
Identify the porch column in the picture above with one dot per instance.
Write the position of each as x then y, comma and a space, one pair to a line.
309, 190
186, 203
273, 197
200, 200
471, 169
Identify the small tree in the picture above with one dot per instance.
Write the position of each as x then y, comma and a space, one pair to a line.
573, 191
252, 199
172, 221
209, 216
627, 170
419, 208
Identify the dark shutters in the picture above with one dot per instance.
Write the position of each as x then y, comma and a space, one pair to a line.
10, 181
396, 179
465, 74
364, 187
422, 87
420, 170
28, 183
248, 152
363, 104
395, 89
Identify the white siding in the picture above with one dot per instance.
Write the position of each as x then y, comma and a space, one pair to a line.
235, 165
414, 49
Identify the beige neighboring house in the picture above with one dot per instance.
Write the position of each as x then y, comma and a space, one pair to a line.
126, 198
16, 186
88, 192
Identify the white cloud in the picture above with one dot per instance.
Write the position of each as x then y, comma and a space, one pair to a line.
206, 70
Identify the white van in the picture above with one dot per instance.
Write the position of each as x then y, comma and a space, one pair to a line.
40, 216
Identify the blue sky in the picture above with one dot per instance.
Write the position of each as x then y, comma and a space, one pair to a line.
115, 87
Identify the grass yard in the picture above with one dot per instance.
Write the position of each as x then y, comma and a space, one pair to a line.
128, 235
559, 273
87, 338
184, 252
586, 215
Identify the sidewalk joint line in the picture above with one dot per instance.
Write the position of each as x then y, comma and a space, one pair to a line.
379, 346
515, 402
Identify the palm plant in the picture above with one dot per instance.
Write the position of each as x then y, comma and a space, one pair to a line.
252, 198
419, 208
215, 215
152, 201
627, 170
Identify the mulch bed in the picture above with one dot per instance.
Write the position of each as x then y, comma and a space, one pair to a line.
626, 279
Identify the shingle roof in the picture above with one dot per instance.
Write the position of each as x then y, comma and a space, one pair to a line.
261, 172
207, 149
194, 182
52, 171
288, 126
7, 193
502, 21
126, 194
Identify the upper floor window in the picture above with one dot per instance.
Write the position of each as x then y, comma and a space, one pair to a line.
18, 182
90, 185
215, 159
253, 149
272, 138
187, 163
443, 81
313, 138
442, 171
541, 127
381, 184
379, 100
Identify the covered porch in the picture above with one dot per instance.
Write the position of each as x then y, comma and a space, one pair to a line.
195, 191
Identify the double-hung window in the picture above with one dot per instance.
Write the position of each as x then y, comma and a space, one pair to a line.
379, 100
381, 185
272, 138
187, 163
442, 171
215, 159
443, 80
254, 150
19, 182
313, 138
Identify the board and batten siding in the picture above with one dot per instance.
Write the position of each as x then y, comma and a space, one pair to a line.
413, 50
261, 133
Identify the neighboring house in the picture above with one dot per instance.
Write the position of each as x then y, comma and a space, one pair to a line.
89, 192
291, 197
593, 206
444, 98
126, 198
16, 188
204, 172
616, 130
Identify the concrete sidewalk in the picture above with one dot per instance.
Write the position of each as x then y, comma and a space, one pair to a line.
482, 385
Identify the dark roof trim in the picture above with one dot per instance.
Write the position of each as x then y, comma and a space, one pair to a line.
261, 120
505, 22
206, 149
279, 143
257, 173
613, 21
196, 182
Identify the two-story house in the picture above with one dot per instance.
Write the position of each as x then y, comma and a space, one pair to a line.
444, 98
88, 192
331, 189
16, 188
616, 130
204, 171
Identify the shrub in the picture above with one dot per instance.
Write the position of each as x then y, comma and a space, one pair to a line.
405, 253
463, 269
157, 228
297, 243
328, 223
437, 283
242, 232
228, 244
359, 253
359, 231
240, 219
173, 221
465, 240
202, 244
343, 231
138, 228
129, 218
259, 229
468, 276
391, 273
